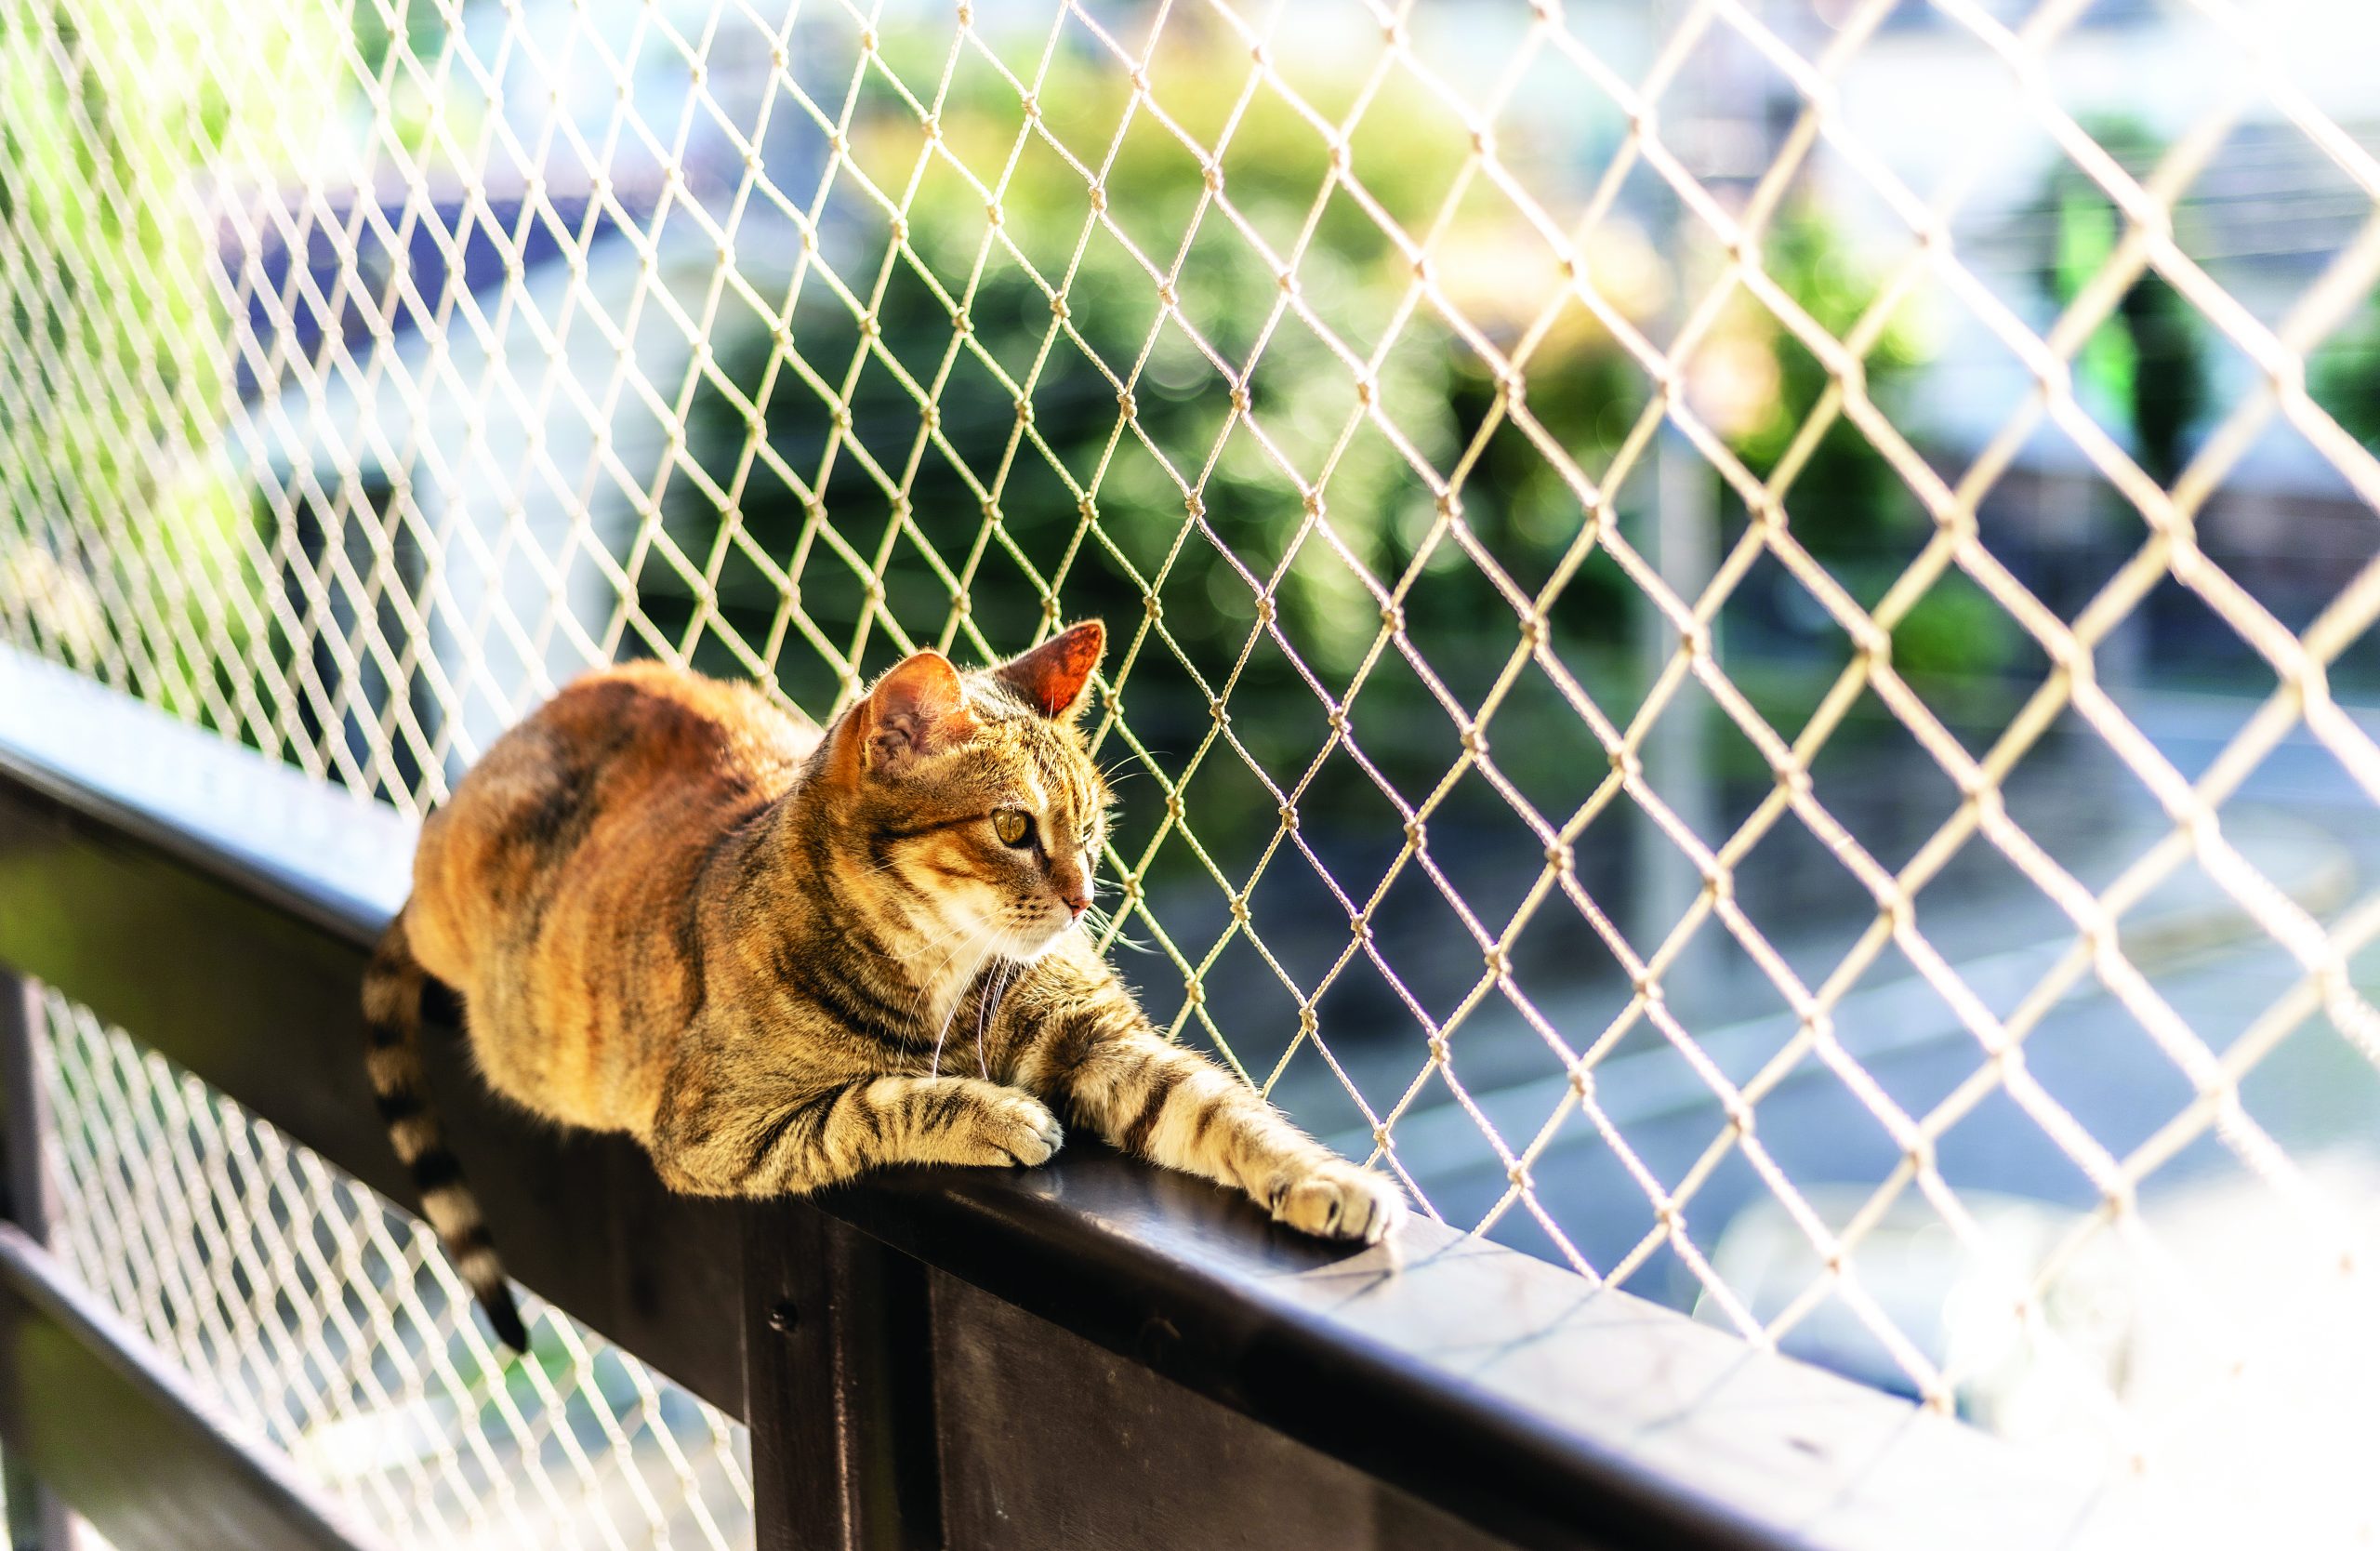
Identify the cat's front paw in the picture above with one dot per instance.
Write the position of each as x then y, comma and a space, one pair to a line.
1336, 1200
1018, 1128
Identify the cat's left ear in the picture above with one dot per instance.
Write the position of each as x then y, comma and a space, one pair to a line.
917, 709
1055, 678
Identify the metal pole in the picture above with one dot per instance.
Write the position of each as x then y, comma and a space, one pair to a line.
1679, 538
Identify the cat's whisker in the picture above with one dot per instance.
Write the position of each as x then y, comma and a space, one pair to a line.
962, 938
982, 929
1098, 923
1001, 974
926, 983
921, 999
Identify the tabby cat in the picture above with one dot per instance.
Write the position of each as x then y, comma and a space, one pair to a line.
778, 956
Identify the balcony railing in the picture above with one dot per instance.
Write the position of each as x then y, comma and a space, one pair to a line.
1093, 1354
1743, 650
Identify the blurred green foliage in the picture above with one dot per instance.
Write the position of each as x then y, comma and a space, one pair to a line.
984, 358
1846, 505
128, 555
1081, 504
2345, 375
2145, 367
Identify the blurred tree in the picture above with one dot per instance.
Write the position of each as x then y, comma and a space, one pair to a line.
2141, 372
1081, 494
2147, 363
1846, 505
2345, 375
125, 525
1078, 500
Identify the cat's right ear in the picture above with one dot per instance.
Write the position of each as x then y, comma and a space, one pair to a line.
1054, 677
918, 708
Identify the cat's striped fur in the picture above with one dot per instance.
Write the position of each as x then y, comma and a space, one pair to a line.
778, 956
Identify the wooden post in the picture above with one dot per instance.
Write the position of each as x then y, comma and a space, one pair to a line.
37, 1519
839, 1388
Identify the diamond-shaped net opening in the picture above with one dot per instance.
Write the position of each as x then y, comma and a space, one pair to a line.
1743, 632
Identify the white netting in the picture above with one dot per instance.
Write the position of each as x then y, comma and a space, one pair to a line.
1739, 627
335, 1328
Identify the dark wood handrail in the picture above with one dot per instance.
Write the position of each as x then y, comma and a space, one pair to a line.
219, 906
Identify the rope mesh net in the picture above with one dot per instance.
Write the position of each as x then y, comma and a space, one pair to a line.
334, 1327
1714, 606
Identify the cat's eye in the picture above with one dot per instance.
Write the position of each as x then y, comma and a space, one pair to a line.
1012, 827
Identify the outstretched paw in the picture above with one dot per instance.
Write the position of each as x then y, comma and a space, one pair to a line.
1336, 1200
1016, 1128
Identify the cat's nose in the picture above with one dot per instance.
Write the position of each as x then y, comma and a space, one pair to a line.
1071, 885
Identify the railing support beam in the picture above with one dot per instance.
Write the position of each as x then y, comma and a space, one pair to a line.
839, 1388
38, 1519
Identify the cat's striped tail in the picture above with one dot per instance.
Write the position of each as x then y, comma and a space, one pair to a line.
393, 985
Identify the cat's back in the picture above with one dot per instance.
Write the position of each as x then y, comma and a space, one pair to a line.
649, 723
629, 769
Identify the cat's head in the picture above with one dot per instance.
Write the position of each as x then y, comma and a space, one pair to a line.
976, 798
